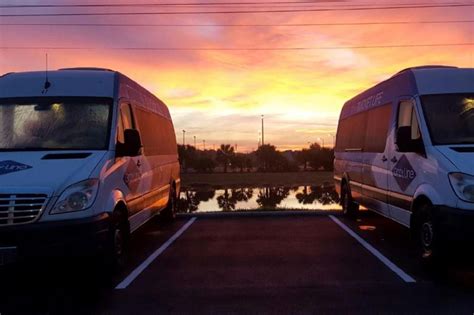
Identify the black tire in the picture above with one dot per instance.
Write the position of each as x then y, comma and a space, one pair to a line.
430, 251
117, 242
169, 213
350, 209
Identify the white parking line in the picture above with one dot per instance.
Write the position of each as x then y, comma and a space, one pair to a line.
402, 274
135, 273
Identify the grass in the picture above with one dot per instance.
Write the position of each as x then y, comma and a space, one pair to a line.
235, 180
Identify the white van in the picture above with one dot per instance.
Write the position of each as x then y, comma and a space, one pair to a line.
86, 157
405, 149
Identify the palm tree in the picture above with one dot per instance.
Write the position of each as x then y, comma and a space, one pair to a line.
224, 155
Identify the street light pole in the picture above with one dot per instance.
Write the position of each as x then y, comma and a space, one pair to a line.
263, 133
204, 145
184, 137
194, 141
322, 142
333, 140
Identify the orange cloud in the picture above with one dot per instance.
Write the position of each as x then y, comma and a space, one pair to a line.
219, 95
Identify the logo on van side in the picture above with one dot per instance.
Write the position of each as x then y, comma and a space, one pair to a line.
403, 172
12, 166
369, 102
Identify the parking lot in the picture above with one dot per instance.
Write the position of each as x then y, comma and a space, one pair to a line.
273, 263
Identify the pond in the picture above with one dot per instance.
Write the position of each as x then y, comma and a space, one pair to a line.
206, 199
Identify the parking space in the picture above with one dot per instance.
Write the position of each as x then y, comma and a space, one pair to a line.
66, 286
277, 264
396, 242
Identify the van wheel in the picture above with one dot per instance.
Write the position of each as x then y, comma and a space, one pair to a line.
115, 249
428, 238
169, 213
349, 207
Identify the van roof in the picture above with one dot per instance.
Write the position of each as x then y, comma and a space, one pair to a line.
425, 68
86, 69
413, 81
86, 82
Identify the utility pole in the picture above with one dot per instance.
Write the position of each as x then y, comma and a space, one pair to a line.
204, 145
194, 141
236, 148
184, 137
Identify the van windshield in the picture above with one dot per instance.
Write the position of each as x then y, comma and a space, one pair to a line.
47, 123
450, 118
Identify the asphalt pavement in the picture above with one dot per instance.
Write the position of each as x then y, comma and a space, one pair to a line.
291, 264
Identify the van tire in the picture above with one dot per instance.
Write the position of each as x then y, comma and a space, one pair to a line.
350, 209
116, 244
428, 238
169, 213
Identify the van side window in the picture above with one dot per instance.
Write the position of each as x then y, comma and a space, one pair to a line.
127, 117
351, 133
157, 133
125, 121
407, 117
120, 129
378, 123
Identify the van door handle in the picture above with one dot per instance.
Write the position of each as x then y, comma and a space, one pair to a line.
394, 159
384, 159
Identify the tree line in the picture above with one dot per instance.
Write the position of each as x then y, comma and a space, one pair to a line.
265, 159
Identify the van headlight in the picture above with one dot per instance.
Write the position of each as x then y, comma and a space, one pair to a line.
463, 186
77, 197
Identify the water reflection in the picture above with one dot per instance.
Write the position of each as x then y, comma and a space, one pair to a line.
271, 197
245, 198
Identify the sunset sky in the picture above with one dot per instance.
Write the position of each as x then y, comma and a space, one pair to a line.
219, 95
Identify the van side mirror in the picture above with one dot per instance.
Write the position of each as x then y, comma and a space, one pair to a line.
132, 143
405, 143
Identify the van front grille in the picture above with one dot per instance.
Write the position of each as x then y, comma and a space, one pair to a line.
20, 208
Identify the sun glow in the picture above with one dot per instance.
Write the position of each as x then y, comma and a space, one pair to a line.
219, 95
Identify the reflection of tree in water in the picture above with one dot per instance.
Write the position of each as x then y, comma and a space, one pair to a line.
307, 196
227, 201
271, 197
325, 195
268, 197
295, 189
189, 200
205, 195
242, 194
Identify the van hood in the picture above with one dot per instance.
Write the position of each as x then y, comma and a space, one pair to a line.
48, 172
461, 156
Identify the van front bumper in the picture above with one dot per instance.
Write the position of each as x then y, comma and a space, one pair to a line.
80, 237
455, 224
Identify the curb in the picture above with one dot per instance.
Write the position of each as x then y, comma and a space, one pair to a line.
253, 213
